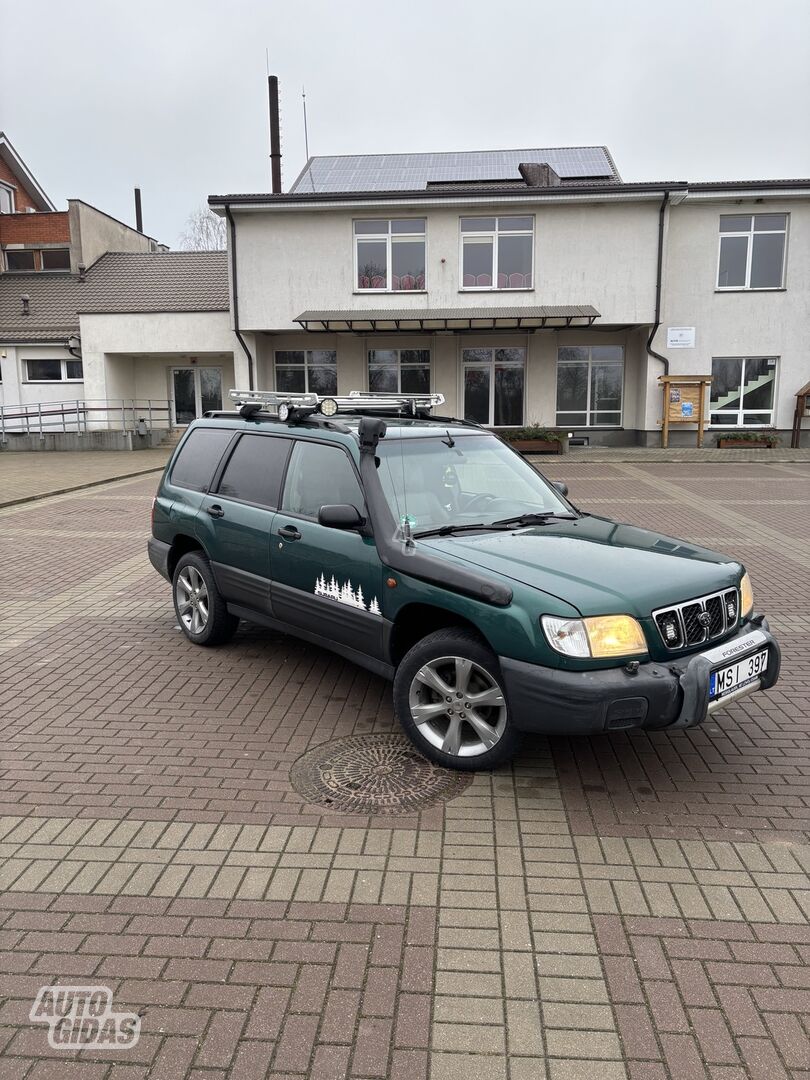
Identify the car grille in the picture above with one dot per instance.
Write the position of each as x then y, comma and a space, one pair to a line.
697, 621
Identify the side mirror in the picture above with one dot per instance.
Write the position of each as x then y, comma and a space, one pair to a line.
340, 516
560, 486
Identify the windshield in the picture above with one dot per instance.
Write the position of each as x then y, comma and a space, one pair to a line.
458, 480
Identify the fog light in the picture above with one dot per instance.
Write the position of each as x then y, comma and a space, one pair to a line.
329, 406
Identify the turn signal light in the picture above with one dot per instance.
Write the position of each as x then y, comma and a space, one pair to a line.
746, 596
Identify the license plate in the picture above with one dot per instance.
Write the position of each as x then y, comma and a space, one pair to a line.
734, 676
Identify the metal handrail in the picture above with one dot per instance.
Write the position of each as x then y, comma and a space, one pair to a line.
121, 414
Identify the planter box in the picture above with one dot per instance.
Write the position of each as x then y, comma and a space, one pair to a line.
744, 444
536, 446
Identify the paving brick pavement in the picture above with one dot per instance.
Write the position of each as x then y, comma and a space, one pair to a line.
30, 474
628, 907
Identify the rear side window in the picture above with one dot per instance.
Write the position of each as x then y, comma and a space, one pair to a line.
318, 476
255, 469
199, 456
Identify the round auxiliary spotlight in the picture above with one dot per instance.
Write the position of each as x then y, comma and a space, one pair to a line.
283, 411
329, 406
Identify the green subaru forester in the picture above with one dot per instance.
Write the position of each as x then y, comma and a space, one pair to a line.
428, 551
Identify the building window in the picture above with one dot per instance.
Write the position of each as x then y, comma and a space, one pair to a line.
497, 253
742, 393
20, 259
6, 200
389, 254
493, 386
54, 370
590, 380
752, 251
306, 371
399, 371
55, 258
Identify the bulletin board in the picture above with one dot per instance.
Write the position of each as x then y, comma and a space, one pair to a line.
684, 402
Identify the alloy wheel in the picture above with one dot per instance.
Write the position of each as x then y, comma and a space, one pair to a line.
457, 706
191, 594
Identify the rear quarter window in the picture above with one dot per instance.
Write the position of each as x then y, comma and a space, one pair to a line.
199, 456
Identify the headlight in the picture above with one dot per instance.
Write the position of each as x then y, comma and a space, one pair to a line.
600, 636
746, 596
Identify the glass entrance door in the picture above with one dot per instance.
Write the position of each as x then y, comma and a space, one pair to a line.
195, 391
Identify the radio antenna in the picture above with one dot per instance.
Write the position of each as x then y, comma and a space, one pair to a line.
306, 133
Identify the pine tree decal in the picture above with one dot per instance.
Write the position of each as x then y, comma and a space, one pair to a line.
374, 607
358, 598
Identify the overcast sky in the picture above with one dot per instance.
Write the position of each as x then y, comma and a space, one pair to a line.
101, 95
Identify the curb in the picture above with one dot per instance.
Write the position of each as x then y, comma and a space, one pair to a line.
79, 487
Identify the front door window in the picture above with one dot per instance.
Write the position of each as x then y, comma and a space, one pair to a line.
195, 391
493, 386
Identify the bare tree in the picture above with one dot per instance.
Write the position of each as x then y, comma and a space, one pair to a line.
204, 231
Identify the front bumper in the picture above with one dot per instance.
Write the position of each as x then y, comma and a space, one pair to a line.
673, 694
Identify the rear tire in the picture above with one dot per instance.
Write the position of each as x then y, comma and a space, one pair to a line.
201, 612
449, 697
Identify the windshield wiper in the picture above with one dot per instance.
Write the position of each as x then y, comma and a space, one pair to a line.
448, 530
534, 519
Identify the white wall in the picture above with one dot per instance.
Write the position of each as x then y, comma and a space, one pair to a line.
585, 253
183, 334
17, 390
766, 323
600, 254
93, 233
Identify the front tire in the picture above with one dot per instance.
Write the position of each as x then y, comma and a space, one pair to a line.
201, 611
450, 699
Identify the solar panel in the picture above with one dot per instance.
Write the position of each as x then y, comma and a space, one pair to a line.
402, 172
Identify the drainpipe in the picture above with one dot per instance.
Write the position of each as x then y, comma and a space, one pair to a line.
242, 342
657, 321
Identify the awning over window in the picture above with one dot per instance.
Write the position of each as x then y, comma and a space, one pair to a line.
432, 319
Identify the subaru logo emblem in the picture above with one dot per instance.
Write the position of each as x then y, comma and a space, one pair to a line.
704, 618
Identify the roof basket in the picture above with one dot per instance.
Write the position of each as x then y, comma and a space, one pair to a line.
297, 405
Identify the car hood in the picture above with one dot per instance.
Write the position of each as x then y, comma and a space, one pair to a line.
598, 566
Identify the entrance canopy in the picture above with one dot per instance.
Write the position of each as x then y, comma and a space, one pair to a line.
433, 319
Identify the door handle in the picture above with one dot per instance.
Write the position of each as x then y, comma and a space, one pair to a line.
216, 511
289, 532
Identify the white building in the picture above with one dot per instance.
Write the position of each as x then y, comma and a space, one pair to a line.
137, 337
528, 286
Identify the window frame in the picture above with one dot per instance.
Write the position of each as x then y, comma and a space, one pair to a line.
12, 201
742, 410
494, 234
478, 365
390, 239
399, 351
33, 252
589, 411
352, 465
749, 255
306, 366
64, 378
53, 269
215, 487
218, 469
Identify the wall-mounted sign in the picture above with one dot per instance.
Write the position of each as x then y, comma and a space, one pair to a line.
680, 337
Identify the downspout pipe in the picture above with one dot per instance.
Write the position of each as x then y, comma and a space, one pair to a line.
658, 276
235, 294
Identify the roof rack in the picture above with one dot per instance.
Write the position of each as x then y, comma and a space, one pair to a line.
296, 406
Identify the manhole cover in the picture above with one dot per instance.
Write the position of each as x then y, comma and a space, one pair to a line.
373, 774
